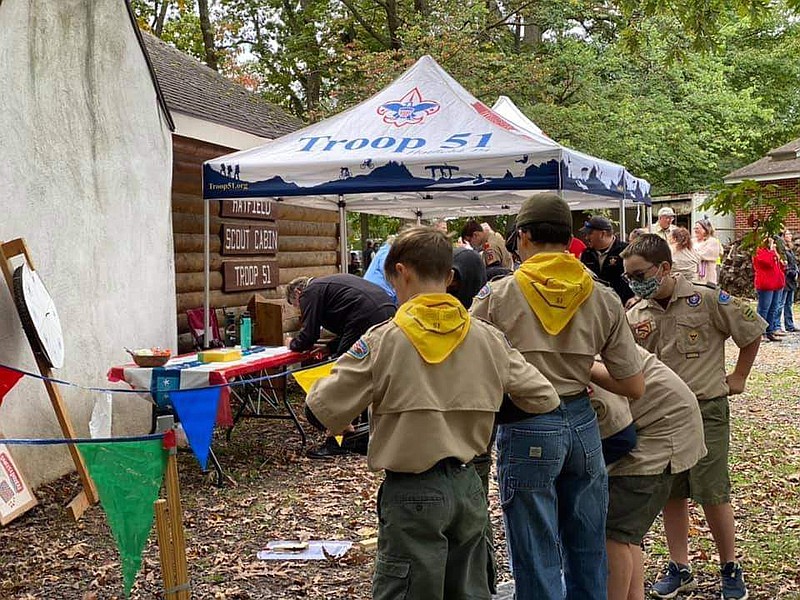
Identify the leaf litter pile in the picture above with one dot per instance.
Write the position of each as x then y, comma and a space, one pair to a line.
279, 494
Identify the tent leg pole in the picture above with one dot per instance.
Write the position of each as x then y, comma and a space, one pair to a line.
342, 234
622, 227
650, 219
206, 271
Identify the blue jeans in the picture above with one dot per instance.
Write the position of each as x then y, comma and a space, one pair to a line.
768, 307
776, 320
788, 303
554, 493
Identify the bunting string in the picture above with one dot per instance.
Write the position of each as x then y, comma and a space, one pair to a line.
57, 441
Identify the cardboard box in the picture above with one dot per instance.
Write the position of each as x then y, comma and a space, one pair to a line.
267, 317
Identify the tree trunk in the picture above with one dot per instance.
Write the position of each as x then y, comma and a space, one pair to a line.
364, 233
208, 35
421, 7
158, 27
393, 24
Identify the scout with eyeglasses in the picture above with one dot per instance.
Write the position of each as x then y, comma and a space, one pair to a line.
686, 325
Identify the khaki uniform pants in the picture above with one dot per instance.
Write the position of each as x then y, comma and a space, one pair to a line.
432, 537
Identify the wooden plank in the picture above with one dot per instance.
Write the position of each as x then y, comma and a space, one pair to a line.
242, 275
189, 223
193, 242
258, 239
249, 208
193, 262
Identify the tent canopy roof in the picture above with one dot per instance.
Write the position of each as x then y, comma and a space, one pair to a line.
423, 146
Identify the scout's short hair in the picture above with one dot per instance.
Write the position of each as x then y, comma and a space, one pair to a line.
471, 227
426, 250
650, 247
298, 283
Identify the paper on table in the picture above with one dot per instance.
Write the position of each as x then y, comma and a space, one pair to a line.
314, 551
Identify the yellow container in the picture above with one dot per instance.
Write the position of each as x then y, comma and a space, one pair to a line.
219, 355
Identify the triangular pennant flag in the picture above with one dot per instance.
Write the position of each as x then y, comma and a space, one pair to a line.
8, 379
197, 410
128, 477
307, 377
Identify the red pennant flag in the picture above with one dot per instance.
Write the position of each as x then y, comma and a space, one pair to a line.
8, 379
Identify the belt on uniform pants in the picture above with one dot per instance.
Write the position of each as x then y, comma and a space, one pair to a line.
573, 397
446, 463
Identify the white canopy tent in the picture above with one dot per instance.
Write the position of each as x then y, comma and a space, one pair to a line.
422, 147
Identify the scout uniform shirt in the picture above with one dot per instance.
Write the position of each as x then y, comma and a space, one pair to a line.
435, 379
562, 323
689, 335
669, 426
494, 250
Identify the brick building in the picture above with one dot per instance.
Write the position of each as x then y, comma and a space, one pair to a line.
780, 167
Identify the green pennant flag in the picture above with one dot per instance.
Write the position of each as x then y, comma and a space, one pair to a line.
128, 478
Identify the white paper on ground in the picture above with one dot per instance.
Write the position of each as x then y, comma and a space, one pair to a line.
100, 424
314, 551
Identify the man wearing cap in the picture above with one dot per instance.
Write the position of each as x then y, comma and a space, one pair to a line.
665, 226
602, 255
489, 243
551, 473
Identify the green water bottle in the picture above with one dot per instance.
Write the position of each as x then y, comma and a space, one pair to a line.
245, 331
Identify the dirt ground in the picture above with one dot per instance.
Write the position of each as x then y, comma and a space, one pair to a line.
280, 494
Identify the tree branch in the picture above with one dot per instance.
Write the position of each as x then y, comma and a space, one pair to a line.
367, 27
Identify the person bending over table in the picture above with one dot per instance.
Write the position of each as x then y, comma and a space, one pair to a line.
343, 304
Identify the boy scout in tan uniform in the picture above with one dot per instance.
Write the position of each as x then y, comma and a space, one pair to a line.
669, 441
551, 471
686, 326
428, 422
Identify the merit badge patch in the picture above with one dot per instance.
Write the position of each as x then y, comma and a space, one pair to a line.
748, 313
641, 331
359, 350
484, 292
724, 297
694, 300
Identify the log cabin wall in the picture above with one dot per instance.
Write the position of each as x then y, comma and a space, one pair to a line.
307, 242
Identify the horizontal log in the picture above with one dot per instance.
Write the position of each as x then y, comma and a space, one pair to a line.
193, 242
187, 185
190, 223
195, 282
193, 204
190, 147
193, 262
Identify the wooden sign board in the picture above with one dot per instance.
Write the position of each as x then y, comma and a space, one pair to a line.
15, 495
244, 275
256, 208
249, 239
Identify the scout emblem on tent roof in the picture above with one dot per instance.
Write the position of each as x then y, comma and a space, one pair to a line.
409, 110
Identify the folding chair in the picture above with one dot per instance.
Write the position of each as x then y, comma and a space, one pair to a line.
197, 327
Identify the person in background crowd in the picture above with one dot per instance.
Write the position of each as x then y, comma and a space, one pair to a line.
469, 275
668, 441
429, 421
440, 225
551, 473
489, 243
791, 281
369, 254
354, 266
684, 259
602, 255
343, 304
769, 281
686, 325
709, 249
639, 231
576, 247
374, 273
664, 226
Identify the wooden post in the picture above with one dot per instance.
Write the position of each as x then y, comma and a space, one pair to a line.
165, 549
176, 524
88, 495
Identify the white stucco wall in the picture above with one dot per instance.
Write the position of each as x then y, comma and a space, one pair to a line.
85, 172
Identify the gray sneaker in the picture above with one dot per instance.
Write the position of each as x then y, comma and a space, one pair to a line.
677, 579
733, 587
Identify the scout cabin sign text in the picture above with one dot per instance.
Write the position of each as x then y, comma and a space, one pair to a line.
241, 275
247, 209
249, 239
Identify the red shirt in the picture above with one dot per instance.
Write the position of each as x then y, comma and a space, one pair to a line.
769, 275
576, 247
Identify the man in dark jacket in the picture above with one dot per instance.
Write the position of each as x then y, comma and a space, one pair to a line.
602, 255
347, 306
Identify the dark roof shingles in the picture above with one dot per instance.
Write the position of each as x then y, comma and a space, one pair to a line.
191, 87
778, 161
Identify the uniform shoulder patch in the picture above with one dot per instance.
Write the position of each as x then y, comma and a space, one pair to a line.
643, 329
484, 292
748, 313
694, 300
359, 350
724, 297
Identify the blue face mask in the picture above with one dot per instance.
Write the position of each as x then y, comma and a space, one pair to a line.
647, 287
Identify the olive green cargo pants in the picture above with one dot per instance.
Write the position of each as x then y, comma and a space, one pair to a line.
432, 537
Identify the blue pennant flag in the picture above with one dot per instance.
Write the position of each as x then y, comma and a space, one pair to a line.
197, 411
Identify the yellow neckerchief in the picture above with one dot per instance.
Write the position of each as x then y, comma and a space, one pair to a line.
434, 323
555, 285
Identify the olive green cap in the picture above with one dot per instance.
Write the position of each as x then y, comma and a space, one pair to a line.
544, 208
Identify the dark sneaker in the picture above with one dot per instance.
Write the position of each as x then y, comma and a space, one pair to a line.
733, 587
330, 449
678, 578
